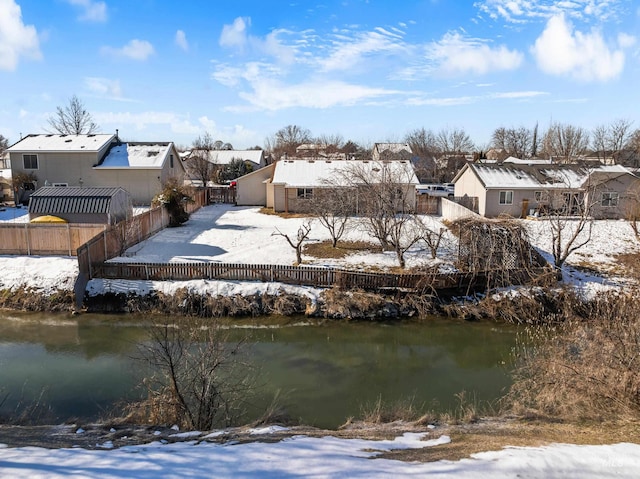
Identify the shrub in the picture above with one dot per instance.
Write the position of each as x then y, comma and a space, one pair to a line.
584, 368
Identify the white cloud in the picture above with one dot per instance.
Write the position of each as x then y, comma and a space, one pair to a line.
135, 50
273, 95
236, 37
181, 40
91, 11
455, 54
467, 100
104, 87
348, 52
562, 51
16, 39
523, 11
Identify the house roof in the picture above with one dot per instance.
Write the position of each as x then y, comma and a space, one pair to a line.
136, 155
72, 199
224, 157
314, 173
546, 176
55, 143
381, 150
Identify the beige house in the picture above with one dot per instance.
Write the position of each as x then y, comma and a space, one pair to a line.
520, 190
94, 160
251, 189
295, 182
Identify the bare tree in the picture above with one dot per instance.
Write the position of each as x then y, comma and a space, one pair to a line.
4, 144
301, 237
199, 381
386, 202
330, 143
286, 140
201, 164
609, 140
21, 183
424, 146
569, 217
454, 141
73, 119
534, 141
515, 141
333, 205
632, 210
564, 142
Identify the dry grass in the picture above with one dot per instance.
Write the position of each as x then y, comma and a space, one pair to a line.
496, 434
325, 249
269, 211
630, 263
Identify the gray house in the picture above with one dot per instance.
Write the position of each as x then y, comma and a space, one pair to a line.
520, 189
81, 205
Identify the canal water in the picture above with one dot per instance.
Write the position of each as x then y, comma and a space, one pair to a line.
82, 367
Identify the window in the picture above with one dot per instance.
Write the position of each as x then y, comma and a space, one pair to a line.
506, 197
171, 161
61, 184
538, 196
610, 199
305, 193
30, 162
29, 186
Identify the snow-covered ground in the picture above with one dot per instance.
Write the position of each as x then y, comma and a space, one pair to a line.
327, 457
229, 234
224, 233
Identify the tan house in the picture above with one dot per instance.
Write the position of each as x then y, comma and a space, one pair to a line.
251, 188
294, 182
100, 160
520, 190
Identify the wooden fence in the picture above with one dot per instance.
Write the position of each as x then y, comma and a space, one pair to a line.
296, 275
46, 239
114, 241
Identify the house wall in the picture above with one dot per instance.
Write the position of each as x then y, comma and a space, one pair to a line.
279, 198
251, 189
623, 185
523, 202
142, 185
468, 184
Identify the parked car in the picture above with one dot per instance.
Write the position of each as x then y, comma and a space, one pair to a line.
434, 190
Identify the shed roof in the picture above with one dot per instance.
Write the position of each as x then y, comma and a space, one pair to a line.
72, 199
53, 143
310, 173
136, 155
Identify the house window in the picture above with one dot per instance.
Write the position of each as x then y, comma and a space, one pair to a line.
506, 197
305, 193
28, 186
61, 184
609, 199
171, 161
538, 196
30, 162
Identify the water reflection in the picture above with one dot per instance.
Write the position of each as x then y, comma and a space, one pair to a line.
324, 372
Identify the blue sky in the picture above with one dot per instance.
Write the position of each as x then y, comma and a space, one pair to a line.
369, 70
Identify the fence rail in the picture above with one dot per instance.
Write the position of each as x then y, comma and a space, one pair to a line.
296, 275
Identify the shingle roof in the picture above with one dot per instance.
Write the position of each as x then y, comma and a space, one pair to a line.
51, 143
519, 176
72, 199
309, 173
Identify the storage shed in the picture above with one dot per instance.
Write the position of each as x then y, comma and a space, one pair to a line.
81, 205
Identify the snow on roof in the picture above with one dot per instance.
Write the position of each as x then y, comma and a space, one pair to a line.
309, 173
53, 143
224, 157
137, 155
529, 176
